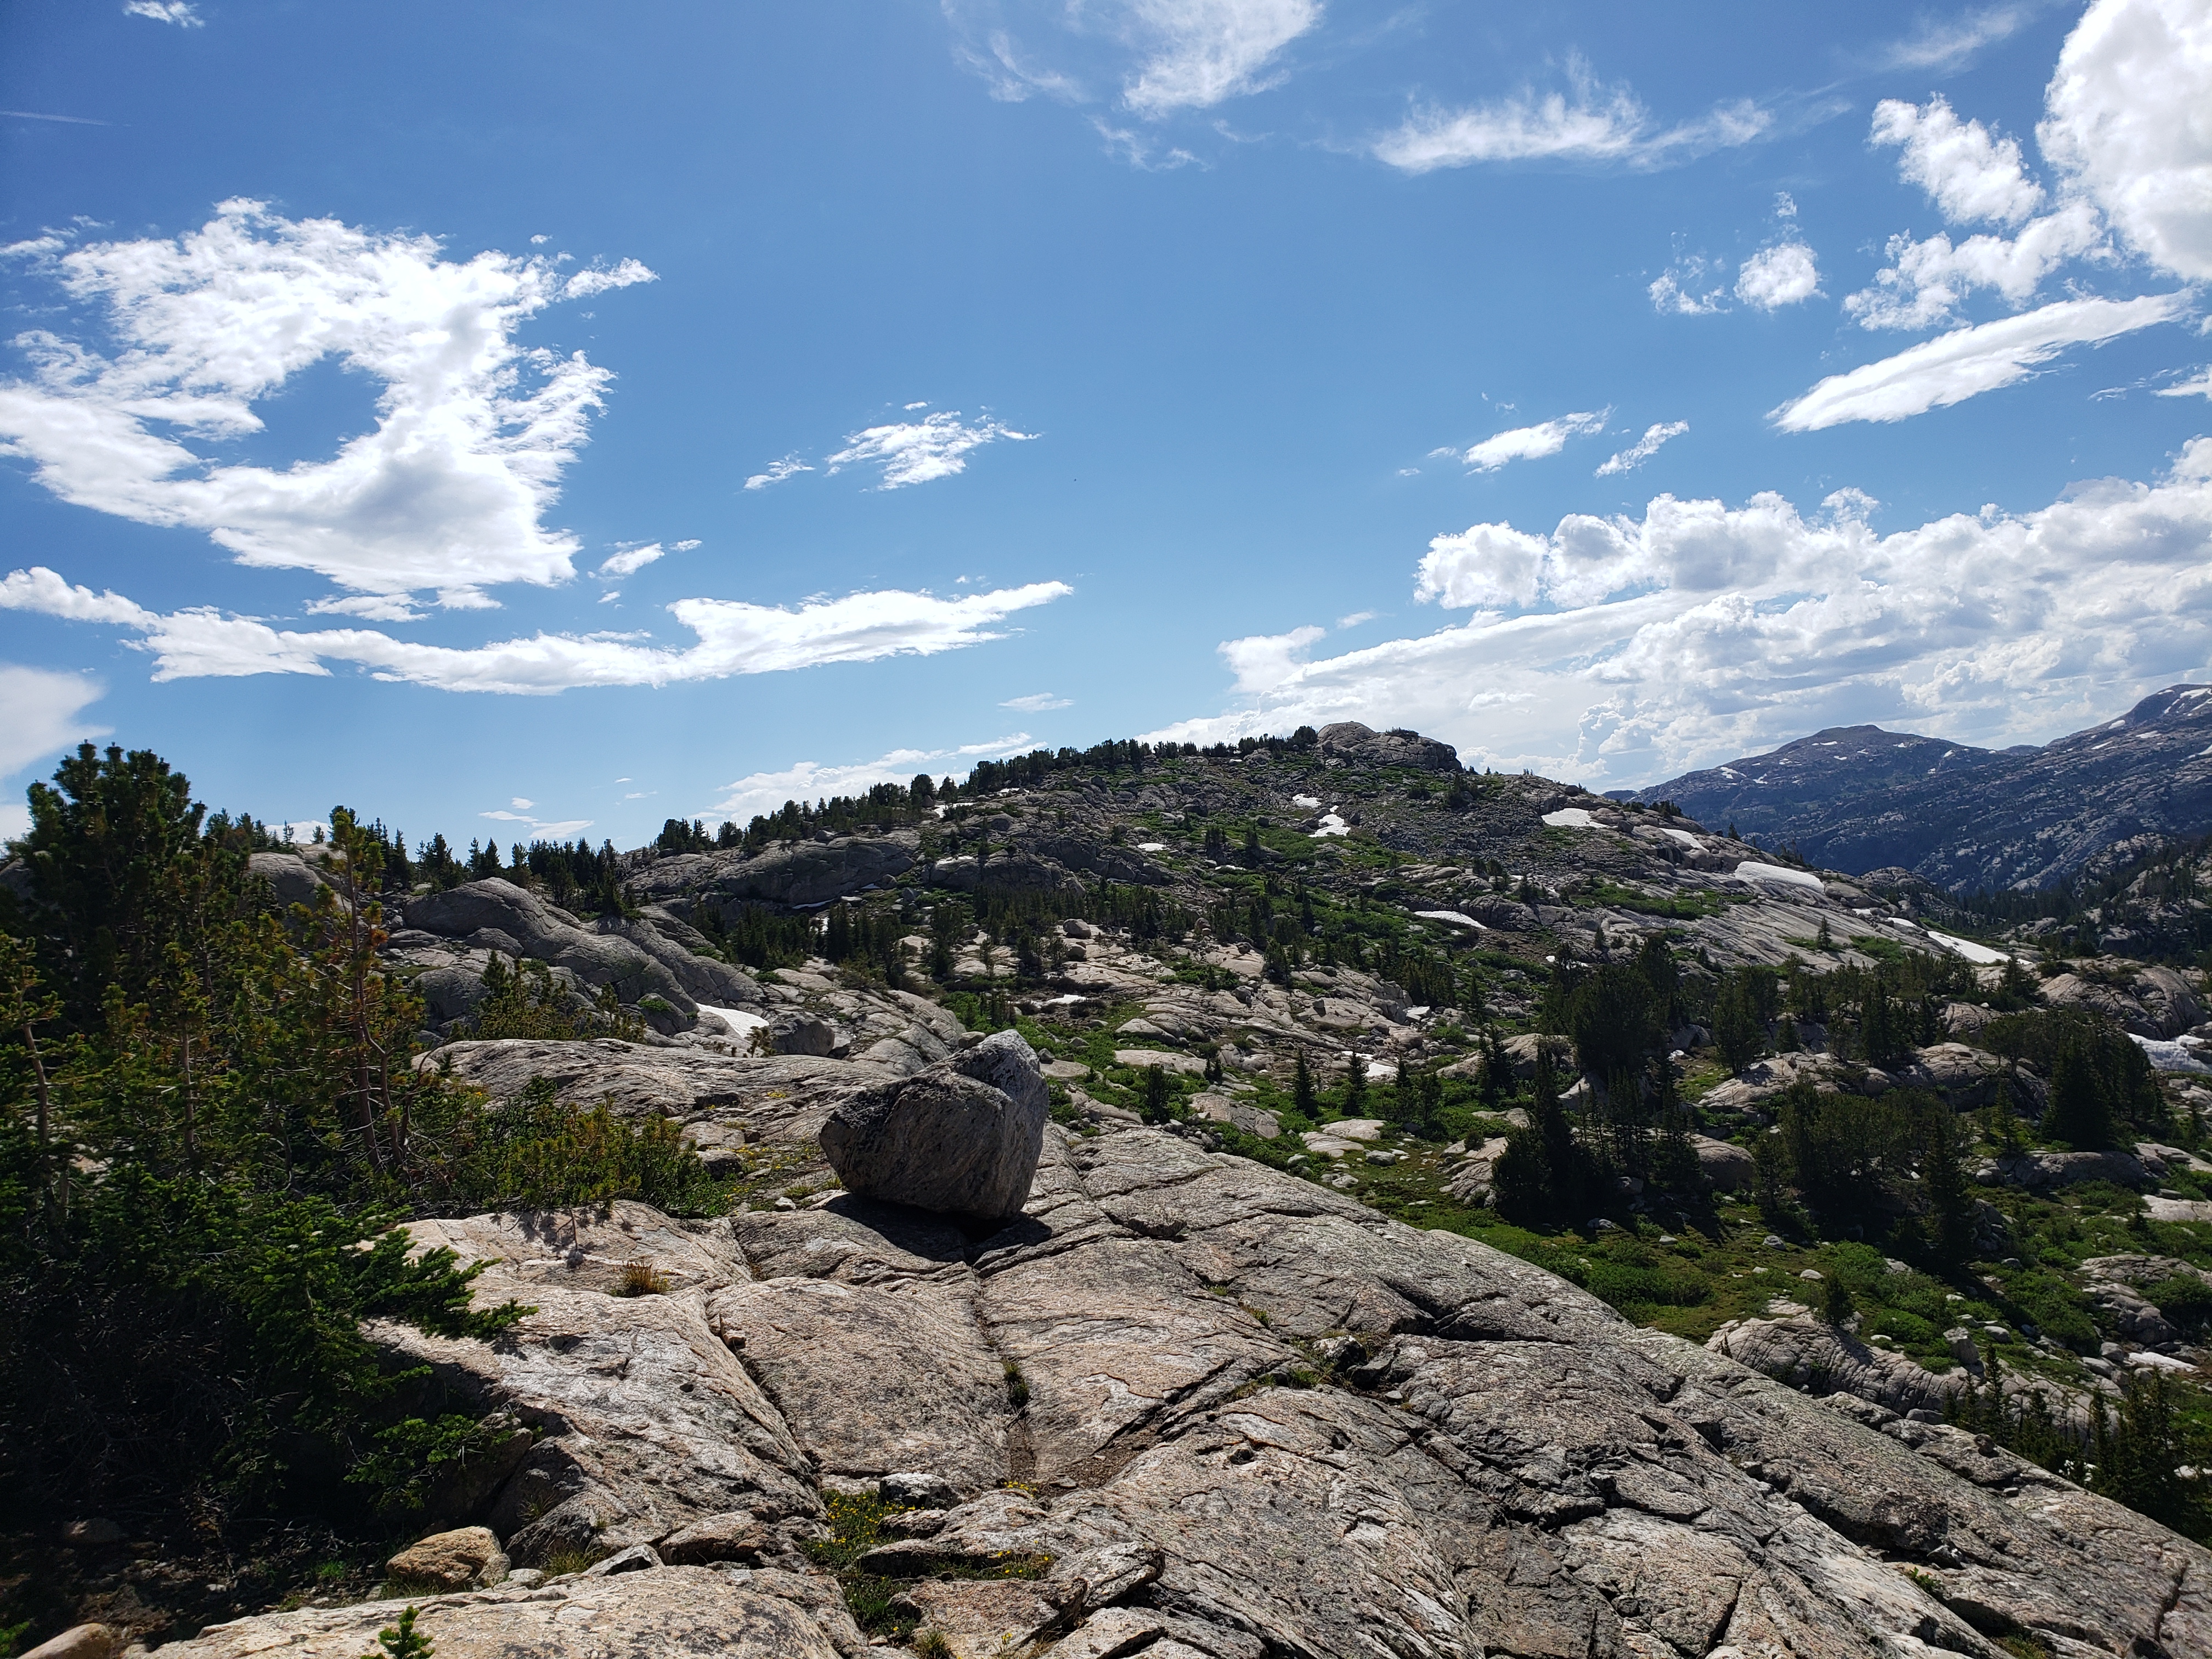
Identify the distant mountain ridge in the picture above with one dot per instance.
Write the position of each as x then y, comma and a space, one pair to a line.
1861, 797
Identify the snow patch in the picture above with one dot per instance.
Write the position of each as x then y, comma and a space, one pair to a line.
1151, 847
1458, 919
1684, 837
1981, 955
1307, 801
2169, 1056
1752, 870
1331, 824
741, 1022
1570, 817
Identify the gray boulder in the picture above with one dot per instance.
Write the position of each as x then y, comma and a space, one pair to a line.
451, 993
293, 880
2038, 1170
962, 1138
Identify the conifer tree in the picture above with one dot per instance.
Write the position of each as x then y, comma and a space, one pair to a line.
1942, 1178
1355, 1085
1302, 1101
2079, 1115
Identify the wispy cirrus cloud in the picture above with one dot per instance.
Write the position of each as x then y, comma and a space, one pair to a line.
789, 467
540, 828
46, 712
764, 792
1529, 443
920, 452
1968, 361
1038, 702
1588, 123
731, 638
629, 561
182, 13
1156, 58
1643, 449
1946, 44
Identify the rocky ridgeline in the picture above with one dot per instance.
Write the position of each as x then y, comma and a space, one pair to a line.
1092, 1388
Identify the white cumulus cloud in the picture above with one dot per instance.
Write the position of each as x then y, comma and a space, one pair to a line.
628, 274
1529, 443
471, 434
1968, 171
1968, 361
180, 12
1926, 281
2128, 121
918, 452
1588, 123
1700, 631
732, 638
1643, 449
1779, 275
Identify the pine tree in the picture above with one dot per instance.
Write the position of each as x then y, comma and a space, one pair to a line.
1836, 1304
400, 1641
1153, 1096
1675, 1164
2079, 1115
1303, 1099
1950, 1200
1355, 1085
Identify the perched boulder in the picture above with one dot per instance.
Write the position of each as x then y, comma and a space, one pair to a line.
451, 1560
962, 1138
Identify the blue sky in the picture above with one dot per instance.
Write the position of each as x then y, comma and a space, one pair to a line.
510, 418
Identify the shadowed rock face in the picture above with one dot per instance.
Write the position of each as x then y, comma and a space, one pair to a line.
961, 1138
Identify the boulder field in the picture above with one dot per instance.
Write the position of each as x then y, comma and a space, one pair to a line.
1201, 1408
